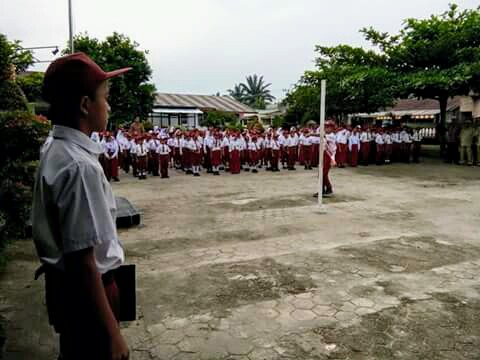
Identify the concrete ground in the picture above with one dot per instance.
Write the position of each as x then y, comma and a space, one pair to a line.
243, 267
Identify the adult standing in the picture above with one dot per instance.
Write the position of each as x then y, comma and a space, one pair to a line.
77, 242
136, 127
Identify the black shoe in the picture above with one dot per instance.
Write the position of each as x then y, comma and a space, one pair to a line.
294, 169
209, 171
227, 169
247, 169
216, 173
196, 174
254, 171
116, 179
189, 172
315, 195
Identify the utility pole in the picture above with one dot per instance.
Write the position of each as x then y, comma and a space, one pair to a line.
70, 23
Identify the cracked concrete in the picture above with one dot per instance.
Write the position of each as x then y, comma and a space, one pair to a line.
241, 267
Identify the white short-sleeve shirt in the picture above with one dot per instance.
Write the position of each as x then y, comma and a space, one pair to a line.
73, 204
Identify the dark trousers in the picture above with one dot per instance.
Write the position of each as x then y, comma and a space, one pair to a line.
81, 335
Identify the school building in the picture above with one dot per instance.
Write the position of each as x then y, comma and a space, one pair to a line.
189, 110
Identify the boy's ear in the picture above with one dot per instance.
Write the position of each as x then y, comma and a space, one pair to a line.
84, 105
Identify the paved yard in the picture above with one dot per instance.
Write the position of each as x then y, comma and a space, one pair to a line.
242, 267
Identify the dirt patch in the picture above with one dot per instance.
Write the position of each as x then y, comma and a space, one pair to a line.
271, 203
409, 254
395, 215
220, 287
446, 327
147, 247
341, 198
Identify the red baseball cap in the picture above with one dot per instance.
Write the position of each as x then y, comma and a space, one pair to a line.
74, 74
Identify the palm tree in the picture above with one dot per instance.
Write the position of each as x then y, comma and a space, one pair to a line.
238, 93
256, 92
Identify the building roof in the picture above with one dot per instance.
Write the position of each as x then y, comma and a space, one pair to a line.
415, 107
422, 104
202, 102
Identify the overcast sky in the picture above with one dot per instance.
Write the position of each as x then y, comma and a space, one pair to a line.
205, 46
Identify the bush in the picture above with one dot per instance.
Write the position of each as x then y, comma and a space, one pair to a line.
218, 119
12, 97
31, 85
278, 121
21, 137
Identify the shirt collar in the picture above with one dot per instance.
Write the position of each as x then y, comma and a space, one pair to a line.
77, 137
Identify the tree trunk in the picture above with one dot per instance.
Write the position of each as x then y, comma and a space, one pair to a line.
441, 126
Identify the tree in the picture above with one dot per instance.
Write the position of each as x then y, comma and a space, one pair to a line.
31, 85
12, 59
436, 58
131, 94
238, 93
357, 81
12, 55
256, 92
219, 119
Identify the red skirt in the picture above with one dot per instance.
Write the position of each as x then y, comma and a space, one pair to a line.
216, 157
235, 162
196, 158
301, 155
354, 155
252, 157
315, 154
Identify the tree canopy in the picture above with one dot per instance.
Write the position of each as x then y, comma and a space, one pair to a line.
358, 81
219, 119
13, 59
435, 58
254, 92
131, 94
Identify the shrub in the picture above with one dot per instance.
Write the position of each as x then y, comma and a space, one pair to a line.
12, 97
21, 137
218, 118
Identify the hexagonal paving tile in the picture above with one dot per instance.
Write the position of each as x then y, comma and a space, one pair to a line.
163, 351
363, 302
324, 310
175, 323
171, 337
239, 347
197, 329
345, 316
364, 311
268, 313
303, 315
262, 354
156, 329
191, 344
348, 306
304, 304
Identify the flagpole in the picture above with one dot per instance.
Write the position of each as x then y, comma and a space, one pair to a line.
323, 89
70, 25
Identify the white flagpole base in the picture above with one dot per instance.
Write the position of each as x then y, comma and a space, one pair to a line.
320, 209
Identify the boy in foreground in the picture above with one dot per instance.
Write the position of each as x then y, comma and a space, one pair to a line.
73, 214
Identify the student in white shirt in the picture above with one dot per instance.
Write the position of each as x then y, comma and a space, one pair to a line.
354, 146
163, 151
